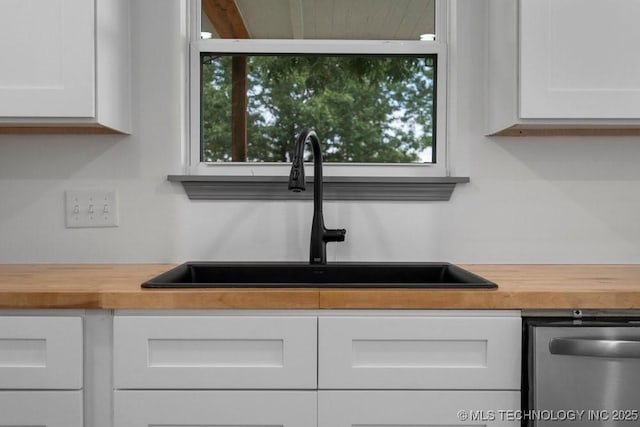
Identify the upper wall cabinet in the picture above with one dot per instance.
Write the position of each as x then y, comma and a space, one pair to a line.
563, 67
65, 66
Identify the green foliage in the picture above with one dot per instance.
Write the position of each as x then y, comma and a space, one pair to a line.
364, 108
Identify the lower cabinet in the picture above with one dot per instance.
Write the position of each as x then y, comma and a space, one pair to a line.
320, 369
41, 408
426, 408
215, 352
418, 352
41, 371
314, 408
260, 369
41, 352
215, 408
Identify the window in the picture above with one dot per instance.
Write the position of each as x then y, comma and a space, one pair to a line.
376, 99
369, 109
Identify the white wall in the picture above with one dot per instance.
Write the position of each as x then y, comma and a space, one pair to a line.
533, 200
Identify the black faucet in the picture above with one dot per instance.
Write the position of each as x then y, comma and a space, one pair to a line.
320, 235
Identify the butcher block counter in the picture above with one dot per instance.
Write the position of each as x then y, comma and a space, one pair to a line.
117, 286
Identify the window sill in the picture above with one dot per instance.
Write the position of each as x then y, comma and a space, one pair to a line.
217, 187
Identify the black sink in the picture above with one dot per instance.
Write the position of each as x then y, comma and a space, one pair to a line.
304, 275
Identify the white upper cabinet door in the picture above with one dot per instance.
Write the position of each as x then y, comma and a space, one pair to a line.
579, 59
47, 49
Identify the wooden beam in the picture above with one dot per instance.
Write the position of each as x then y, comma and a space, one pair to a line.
228, 23
225, 18
239, 109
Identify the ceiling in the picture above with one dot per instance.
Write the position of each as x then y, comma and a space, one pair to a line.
334, 19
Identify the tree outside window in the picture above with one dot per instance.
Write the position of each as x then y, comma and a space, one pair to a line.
365, 108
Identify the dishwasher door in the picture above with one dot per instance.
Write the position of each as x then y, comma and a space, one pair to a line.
584, 375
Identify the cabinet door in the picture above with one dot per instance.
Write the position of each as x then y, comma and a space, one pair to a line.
230, 352
215, 408
41, 352
47, 49
41, 408
418, 408
423, 352
578, 59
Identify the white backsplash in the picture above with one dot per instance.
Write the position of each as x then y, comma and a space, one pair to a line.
534, 200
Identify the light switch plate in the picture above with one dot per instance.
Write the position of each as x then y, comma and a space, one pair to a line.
91, 208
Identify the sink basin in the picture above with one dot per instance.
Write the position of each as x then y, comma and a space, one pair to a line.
304, 275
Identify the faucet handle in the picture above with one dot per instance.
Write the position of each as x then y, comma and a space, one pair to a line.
296, 179
334, 235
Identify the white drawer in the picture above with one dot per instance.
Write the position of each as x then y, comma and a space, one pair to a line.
419, 353
418, 408
41, 352
41, 408
215, 408
214, 352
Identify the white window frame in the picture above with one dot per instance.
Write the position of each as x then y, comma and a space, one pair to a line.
439, 46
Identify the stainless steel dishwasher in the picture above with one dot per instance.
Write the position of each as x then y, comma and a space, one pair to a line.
582, 370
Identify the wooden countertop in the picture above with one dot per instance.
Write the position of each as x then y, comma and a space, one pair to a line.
109, 286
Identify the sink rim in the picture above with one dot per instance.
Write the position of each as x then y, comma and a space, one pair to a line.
169, 278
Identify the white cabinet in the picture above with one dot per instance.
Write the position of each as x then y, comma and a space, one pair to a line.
215, 352
416, 408
65, 66
194, 370
41, 371
419, 352
41, 408
48, 64
323, 368
578, 59
40, 352
563, 65
215, 408
418, 370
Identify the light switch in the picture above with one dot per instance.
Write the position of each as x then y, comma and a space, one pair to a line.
91, 208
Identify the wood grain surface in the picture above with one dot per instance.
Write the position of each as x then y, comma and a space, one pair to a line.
109, 286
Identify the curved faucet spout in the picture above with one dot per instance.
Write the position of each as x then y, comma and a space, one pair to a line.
320, 235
